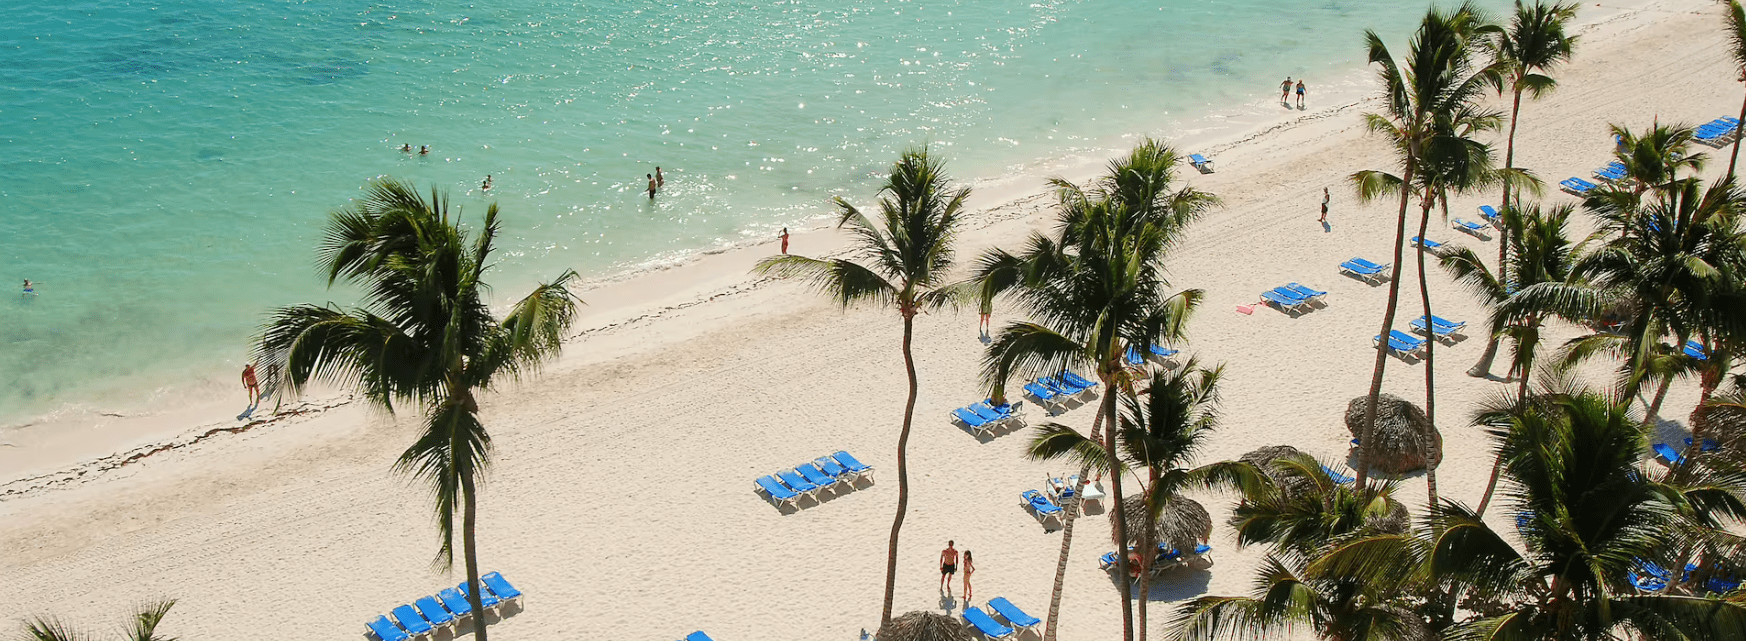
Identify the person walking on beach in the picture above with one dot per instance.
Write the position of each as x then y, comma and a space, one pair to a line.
984, 309
969, 569
1325, 199
652, 186
251, 384
948, 567
1285, 91
660, 180
784, 240
1300, 91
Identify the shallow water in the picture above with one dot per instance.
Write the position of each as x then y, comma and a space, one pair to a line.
168, 164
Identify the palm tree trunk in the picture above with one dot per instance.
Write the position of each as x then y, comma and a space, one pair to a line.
1072, 513
1365, 439
902, 470
1503, 232
1430, 347
1148, 554
1735, 155
1490, 485
1482, 368
469, 548
1121, 525
1525, 364
1650, 419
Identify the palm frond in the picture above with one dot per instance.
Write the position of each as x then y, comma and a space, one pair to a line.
845, 282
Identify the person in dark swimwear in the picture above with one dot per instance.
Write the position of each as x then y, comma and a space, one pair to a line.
652, 186
1325, 198
486, 186
1300, 91
424, 150
1285, 91
948, 567
406, 148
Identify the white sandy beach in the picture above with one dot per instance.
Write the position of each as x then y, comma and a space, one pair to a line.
621, 499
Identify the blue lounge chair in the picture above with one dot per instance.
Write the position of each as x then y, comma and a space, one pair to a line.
1577, 186
1610, 173
1285, 302
1163, 352
434, 613
1524, 520
1722, 585
1668, 454
412, 621
487, 600
1364, 269
1132, 357
1041, 504
854, 466
1044, 395
1695, 350
1646, 578
1010, 410
793, 480
1336, 476
386, 630
698, 636
994, 417
1107, 561
1476, 229
1202, 163
1710, 444
833, 468
808, 471
1440, 327
1428, 244
500, 586
1403, 344
1079, 380
1305, 292
985, 624
777, 492
1013, 615
976, 423
456, 603
1489, 213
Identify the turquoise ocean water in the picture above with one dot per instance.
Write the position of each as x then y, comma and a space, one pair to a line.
167, 164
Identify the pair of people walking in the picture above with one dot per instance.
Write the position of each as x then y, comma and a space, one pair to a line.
1285, 92
949, 567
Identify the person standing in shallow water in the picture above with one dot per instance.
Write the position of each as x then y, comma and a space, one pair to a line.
660, 180
652, 186
1300, 91
1285, 91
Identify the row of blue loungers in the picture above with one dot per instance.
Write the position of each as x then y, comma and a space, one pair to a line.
1168, 558
989, 627
807, 480
1053, 392
1717, 132
1649, 577
1293, 297
1404, 345
984, 416
447, 609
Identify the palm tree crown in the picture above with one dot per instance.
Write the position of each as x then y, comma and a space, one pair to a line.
424, 334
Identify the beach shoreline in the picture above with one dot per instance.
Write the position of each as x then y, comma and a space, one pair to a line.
620, 496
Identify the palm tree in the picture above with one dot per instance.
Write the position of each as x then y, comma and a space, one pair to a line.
1736, 19
1589, 517
424, 334
1428, 103
1654, 158
907, 255
1157, 436
1523, 56
1096, 289
1542, 254
143, 626
1666, 255
1302, 516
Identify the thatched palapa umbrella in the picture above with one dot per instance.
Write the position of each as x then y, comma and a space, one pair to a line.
924, 626
1263, 459
1405, 440
1183, 524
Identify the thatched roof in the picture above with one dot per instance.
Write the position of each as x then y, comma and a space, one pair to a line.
1263, 459
1184, 523
924, 626
1405, 439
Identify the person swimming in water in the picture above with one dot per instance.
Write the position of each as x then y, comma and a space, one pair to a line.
486, 186
406, 148
423, 150
28, 289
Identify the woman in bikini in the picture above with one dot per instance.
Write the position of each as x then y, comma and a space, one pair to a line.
969, 569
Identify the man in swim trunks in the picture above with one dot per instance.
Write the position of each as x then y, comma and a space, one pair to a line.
948, 567
1285, 91
1300, 94
251, 384
652, 186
